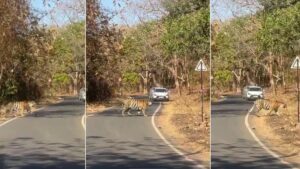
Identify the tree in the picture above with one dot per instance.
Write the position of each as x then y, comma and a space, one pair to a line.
185, 40
102, 54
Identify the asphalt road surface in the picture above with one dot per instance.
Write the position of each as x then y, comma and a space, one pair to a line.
233, 147
130, 142
54, 139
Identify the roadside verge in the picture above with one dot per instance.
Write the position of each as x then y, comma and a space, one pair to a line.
179, 152
264, 136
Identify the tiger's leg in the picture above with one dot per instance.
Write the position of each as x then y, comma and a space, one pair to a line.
144, 112
124, 110
128, 112
21, 113
29, 111
139, 112
257, 112
13, 111
276, 112
272, 112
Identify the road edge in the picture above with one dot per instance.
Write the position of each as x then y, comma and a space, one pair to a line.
272, 153
168, 143
15, 118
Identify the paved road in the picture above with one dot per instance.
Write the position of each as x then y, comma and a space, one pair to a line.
233, 147
116, 142
52, 140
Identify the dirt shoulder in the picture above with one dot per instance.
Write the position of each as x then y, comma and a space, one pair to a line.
180, 121
280, 133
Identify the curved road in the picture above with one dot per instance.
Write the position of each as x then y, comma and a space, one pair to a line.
116, 142
233, 147
54, 139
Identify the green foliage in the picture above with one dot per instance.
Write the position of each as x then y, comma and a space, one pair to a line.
11, 88
226, 52
145, 56
182, 7
258, 49
68, 54
276, 4
280, 31
223, 78
131, 78
187, 34
61, 79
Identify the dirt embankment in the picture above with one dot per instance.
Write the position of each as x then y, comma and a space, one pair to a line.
180, 121
280, 132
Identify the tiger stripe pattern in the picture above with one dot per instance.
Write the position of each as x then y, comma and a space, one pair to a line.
135, 104
270, 105
21, 107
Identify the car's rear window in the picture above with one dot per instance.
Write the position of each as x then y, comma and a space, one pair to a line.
255, 89
160, 90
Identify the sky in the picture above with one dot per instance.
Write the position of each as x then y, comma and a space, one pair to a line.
130, 11
117, 19
51, 14
38, 7
221, 10
227, 9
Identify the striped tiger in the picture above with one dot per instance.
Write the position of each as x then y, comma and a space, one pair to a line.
21, 107
270, 105
140, 104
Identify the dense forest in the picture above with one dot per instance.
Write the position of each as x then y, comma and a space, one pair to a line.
156, 52
257, 49
38, 59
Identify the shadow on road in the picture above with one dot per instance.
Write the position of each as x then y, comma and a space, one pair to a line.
117, 112
41, 155
71, 106
132, 155
256, 159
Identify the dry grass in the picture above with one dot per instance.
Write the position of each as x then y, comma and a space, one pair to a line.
281, 132
180, 121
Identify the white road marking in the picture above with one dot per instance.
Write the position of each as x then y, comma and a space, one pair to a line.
272, 153
168, 143
10, 120
83, 122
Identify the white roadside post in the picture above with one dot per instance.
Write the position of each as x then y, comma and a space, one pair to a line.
200, 68
295, 65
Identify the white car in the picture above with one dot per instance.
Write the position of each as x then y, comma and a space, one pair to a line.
82, 94
253, 92
159, 93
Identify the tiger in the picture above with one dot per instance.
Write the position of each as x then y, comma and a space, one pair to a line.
270, 105
140, 104
21, 107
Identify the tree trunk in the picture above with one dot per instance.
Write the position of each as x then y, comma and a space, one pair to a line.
238, 77
146, 82
177, 83
156, 83
75, 90
249, 80
270, 72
